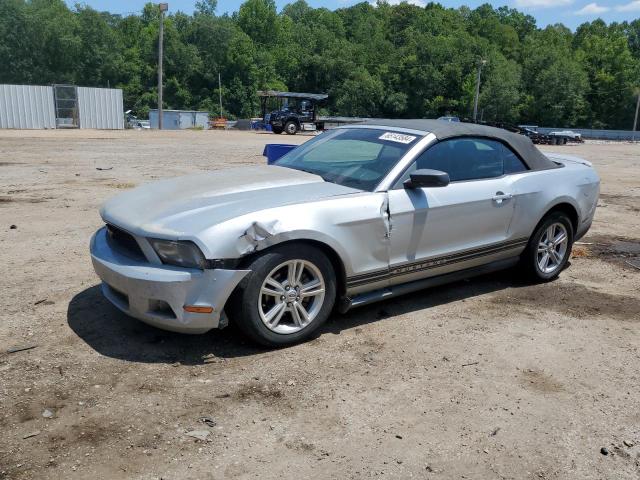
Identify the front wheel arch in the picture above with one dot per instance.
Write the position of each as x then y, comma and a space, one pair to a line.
332, 255
247, 316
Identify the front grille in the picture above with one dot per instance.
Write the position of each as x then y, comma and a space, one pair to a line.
124, 243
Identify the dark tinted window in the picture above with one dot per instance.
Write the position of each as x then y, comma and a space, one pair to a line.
468, 159
464, 158
512, 163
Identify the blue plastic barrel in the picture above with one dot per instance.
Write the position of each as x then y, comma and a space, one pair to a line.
274, 151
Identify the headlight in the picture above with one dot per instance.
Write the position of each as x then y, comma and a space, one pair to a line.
182, 254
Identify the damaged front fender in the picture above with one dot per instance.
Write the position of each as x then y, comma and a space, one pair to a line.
257, 236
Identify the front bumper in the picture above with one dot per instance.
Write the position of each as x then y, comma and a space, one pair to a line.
157, 294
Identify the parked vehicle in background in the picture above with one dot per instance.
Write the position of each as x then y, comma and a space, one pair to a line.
131, 121
291, 112
357, 214
567, 135
561, 137
449, 119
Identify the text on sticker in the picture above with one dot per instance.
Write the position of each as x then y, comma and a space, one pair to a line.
397, 137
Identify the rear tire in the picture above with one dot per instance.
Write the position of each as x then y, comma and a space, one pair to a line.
549, 248
277, 130
288, 295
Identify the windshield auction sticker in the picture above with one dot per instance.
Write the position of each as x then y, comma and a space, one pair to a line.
397, 137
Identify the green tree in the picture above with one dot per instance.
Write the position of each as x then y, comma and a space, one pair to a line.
207, 7
389, 59
612, 73
259, 20
554, 79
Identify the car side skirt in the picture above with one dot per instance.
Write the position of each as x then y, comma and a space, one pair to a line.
410, 287
401, 269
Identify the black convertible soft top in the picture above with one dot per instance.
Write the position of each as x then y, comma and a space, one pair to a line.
522, 145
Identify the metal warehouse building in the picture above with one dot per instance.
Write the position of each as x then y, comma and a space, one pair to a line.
60, 106
179, 119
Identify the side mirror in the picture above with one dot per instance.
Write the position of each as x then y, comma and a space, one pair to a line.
427, 178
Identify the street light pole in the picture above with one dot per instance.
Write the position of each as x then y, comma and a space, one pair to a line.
635, 120
220, 92
481, 64
163, 8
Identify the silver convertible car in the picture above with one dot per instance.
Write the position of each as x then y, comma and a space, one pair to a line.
355, 215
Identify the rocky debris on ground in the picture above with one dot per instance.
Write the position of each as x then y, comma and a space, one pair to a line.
198, 434
208, 421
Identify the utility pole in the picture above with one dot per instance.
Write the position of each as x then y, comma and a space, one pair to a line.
220, 93
163, 8
635, 120
481, 64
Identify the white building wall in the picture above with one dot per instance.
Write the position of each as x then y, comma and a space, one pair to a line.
33, 107
100, 108
26, 107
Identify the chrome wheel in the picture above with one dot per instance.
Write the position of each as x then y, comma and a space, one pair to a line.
291, 296
552, 248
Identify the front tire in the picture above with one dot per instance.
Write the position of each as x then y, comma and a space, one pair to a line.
291, 128
549, 248
288, 295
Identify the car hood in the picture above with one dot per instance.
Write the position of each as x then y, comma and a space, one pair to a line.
183, 206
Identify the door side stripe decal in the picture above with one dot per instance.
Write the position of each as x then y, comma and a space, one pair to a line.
411, 267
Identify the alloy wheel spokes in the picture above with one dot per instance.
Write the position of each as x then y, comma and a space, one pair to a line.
560, 238
274, 315
291, 296
272, 287
552, 247
311, 289
294, 272
545, 261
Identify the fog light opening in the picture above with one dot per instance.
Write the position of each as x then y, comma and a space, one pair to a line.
161, 309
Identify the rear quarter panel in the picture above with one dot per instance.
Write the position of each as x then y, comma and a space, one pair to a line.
537, 192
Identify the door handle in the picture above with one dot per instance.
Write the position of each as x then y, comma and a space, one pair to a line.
499, 197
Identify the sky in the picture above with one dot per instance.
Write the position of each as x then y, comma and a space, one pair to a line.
569, 12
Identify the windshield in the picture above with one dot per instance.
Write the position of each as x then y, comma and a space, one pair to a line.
354, 157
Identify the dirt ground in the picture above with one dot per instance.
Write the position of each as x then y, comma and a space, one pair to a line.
482, 379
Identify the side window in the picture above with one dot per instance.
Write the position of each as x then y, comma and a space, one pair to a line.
512, 163
464, 158
467, 159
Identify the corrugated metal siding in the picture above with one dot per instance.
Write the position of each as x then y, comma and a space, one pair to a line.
186, 120
26, 106
170, 119
100, 108
179, 119
202, 120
